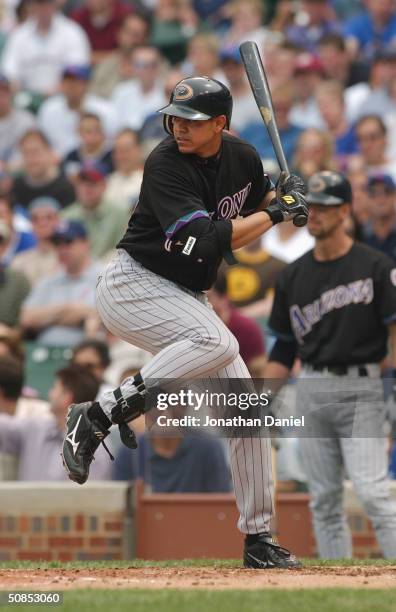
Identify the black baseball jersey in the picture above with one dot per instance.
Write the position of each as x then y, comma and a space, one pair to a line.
178, 188
338, 310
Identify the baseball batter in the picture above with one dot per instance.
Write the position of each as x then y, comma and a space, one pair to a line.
339, 324
203, 194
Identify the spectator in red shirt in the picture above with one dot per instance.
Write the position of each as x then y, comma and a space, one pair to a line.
245, 329
101, 20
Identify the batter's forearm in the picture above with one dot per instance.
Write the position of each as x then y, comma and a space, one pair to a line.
244, 231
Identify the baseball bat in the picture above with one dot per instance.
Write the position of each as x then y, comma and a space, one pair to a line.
262, 94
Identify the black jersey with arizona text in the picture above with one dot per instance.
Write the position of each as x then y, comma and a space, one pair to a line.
178, 188
338, 310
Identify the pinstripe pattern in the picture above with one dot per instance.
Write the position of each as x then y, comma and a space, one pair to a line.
363, 460
188, 340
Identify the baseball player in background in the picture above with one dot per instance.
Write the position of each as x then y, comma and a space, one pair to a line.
204, 193
335, 308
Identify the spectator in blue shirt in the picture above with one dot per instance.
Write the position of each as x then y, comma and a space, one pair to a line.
256, 134
380, 231
392, 465
19, 240
318, 19
177, 464
330, 100
373, 30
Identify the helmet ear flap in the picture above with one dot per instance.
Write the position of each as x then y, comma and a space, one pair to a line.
168, 124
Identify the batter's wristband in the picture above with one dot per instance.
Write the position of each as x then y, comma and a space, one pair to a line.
274, 213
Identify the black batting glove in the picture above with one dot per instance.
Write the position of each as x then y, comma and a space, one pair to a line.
287, 183
289, 207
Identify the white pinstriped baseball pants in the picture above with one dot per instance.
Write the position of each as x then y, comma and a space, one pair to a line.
188, 340
350, 413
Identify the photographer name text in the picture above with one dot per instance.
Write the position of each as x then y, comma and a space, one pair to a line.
236, 421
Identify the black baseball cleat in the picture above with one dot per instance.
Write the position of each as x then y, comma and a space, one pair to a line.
265, 553
81, 441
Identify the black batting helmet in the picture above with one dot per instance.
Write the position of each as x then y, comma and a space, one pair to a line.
198, 98
329, 189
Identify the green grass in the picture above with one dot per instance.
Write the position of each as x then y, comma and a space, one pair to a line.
180, 563
304, 600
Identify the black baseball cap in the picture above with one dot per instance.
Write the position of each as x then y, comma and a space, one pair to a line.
329, 188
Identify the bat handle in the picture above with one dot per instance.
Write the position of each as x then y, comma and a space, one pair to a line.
300, 220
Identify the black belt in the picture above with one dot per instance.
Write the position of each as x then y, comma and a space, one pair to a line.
341, 370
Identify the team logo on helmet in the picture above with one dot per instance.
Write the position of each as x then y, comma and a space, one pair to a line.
316, 184
183, 92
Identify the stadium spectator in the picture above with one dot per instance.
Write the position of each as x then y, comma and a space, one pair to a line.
245, 329
14, 286
361, 200
173, 24
372, 136
18, 240
330, 99
145, 89
93, 148
101, 20
212, 12
37, 441
72, 101
117, 67
307, 76
372, 30
176, 464
380, 231
257, 135
41, 175
93, 355
373, 97
203, 57
42, 259
392, 464
318, 19
244, 109
36, 51
246, 23
123, 185
105, 220
152, 131
60, 305
314, 152
337, 63
279, 57
11, 343
11, 383
13, 124
283, 17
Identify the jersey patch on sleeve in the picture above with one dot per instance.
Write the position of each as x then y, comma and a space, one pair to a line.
188, 247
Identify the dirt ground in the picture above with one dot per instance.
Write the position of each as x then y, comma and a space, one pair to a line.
197, 578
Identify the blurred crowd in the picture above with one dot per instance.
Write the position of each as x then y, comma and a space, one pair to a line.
80, 81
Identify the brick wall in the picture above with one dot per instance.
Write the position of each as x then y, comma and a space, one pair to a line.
64, 521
